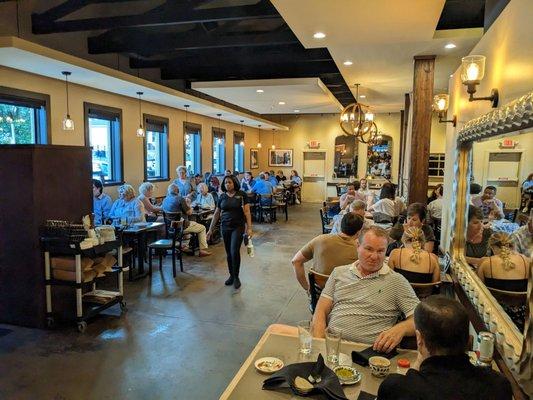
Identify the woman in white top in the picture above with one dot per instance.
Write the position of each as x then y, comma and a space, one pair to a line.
435, 207
204, 199
388, 206
146, 191
127, 206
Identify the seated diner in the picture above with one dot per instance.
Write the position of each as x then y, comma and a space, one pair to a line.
127, 207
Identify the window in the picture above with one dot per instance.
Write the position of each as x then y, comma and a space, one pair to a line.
23, 117
219, 150
103, 133
436, 164
192, 147
238, 151
156, 167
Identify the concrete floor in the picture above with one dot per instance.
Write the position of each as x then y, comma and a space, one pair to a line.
180, 339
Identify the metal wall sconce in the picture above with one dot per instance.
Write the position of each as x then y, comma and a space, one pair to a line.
440, 106
472, 72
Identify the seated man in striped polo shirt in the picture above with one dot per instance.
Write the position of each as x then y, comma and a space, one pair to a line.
364, 300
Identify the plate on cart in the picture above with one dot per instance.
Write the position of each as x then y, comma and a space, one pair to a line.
268, 365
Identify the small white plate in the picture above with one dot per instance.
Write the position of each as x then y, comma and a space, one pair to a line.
356, 375
268, 365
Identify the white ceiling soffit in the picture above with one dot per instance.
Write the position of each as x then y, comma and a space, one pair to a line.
305, 95
380, 37
27, 56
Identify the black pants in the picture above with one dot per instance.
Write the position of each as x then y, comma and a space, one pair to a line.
233, 238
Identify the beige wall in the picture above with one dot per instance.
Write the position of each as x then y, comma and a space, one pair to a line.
508, 46
133, 146
325, 127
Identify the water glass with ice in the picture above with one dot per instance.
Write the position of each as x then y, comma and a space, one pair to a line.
305, 336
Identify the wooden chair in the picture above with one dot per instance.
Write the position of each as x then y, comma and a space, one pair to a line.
317, 282
509, 298
173, 243
424, 290
283, 199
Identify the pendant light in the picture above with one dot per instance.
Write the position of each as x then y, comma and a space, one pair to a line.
273, 145
68, 123
259, 136
242, 131
140, 131
186, 120
219, 140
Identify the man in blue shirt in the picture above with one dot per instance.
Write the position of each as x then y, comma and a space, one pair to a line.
264, 188
271, 178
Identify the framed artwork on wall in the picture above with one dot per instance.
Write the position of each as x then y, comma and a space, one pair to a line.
254, 158
280, 157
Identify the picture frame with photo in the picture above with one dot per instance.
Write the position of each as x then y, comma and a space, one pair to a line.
280, 158
254, 158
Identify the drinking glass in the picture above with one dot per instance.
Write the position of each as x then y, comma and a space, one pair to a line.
304, 334
333, 341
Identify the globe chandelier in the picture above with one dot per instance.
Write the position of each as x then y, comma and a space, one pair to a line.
357, 120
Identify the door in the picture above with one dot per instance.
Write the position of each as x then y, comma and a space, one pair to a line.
314, 176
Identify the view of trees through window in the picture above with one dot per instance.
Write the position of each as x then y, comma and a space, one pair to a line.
17, 124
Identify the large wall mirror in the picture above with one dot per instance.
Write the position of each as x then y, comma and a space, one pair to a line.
379, 157
493, 228
345, 156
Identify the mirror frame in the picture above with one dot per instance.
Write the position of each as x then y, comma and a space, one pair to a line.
515, 347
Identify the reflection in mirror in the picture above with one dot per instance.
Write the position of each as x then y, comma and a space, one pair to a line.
499, 228
379, 158
345, 156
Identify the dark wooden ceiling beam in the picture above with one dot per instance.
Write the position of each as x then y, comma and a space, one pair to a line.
141, 42
238, 71
244, 55
172, 15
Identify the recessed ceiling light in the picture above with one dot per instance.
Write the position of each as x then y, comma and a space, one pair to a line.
281, 103
362, 96
260, 91
450, 46
347, 63
296, 110
319, 35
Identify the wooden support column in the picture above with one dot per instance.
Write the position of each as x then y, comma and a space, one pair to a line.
404, 120
424, 69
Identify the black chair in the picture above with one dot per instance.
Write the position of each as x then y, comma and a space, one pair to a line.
283, 199
325, 220
437, 230
316, 284
267, 207
173, 243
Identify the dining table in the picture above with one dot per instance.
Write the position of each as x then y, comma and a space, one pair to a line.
247, 383
139, 232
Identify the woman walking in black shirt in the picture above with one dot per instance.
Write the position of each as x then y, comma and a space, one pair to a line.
234, 213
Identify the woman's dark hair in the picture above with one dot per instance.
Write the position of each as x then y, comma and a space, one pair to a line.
475, 188
474, 212
388, 191
417, 209
356, 185
98, 185
235, 181
443, 324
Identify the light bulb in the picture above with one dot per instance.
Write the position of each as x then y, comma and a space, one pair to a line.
441, 104
140, 132
369, 116
242, 143
352, 116
259, 145
472, 71
344, 117
68, 124
219, 141
273, 147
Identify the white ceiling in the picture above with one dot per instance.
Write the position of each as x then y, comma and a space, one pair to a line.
380, 37
27, 56
308, 95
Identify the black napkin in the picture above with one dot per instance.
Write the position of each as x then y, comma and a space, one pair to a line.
361, 357
328, 386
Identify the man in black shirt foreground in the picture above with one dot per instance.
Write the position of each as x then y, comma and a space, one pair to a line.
445, 371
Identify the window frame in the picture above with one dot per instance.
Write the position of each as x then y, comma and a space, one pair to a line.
28, 96
237, 138
195, 129
110, 110
165, 122
440, 159
220, 132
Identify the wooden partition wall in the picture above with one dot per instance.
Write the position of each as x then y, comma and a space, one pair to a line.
39, 182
